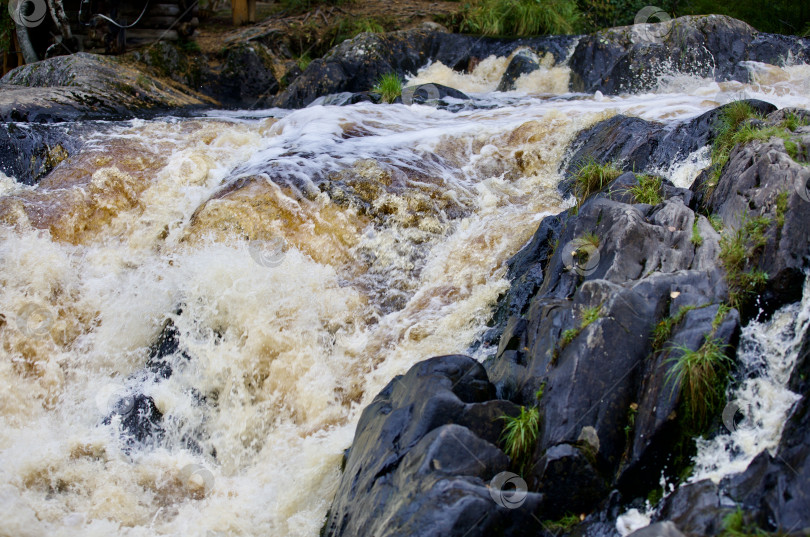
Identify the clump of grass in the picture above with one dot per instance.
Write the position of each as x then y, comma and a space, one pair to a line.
722, 311
388, 87
697, 238
539, 394
781, 208
702, 376
521, 17
591, 238
716, 222
632, 411
520, 436
589, 316
737, 249
735, 525
592, 176
303, 61
562, 525
663, 330
734, 127
648, 189
369, 25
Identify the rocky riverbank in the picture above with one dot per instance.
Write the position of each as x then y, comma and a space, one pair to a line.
614, 345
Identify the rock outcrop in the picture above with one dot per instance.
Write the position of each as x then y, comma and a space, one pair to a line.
605, 300
635, 58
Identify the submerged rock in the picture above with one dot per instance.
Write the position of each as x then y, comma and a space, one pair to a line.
524, 62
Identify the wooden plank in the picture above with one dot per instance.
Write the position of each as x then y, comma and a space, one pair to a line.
240, 12
251, 10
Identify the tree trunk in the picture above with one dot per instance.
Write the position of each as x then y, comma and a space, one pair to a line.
61, 20
27, 49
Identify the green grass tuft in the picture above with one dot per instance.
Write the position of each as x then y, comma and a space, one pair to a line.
716, 222
648, 190
589, 316
696, 239
781, 208
591, 177
521, 17
388, 87
663, 330
562, 525
737, 249
702, 376
520, 436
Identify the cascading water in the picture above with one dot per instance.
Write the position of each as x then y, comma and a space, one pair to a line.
305, 258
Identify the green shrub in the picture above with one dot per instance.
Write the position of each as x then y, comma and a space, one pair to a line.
781, 208
648, 190
562, 525
520, 436
388, 87
591, 177
521, 17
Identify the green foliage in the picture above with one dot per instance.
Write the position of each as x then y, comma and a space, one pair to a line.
734, 127
539, 394
702, 376
632, 410
716, 222
303, 61
520, 436
736, 525
737, 249
521, 17
780, 16
592, 176
648, 190
589, 315
781, 208
189, 45
367, 25
591, 238
599, 14
562, 525
696, 239
388, 87
663, 330
722, 311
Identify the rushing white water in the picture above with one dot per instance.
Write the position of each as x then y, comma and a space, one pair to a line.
396, 223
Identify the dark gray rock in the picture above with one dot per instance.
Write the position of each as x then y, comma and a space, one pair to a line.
634, 58
29, 151
645, 146
423, 456
85, 86
356, 65
524, 62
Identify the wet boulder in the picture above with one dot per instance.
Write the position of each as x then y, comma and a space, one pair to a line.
636, 58
522, 63
29, 151
645, 146
87, 86
357, 64
424, 457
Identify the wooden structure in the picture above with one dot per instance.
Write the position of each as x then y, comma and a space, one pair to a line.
244, 11
143, 22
